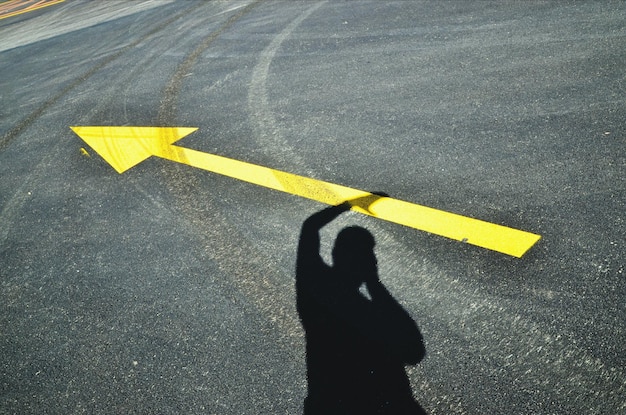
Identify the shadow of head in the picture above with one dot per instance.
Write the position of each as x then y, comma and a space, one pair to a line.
353, 256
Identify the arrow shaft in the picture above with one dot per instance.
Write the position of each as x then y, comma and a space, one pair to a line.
488, 235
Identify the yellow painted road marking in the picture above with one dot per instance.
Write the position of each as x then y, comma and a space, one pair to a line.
124, 147
27, 7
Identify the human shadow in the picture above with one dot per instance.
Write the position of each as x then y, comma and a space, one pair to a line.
357, 345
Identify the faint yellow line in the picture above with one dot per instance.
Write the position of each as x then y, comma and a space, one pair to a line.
11, 4
30, 9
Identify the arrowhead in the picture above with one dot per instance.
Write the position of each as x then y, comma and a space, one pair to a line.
124, 147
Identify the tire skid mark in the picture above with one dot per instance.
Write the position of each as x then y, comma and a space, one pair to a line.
167, 108
269, 135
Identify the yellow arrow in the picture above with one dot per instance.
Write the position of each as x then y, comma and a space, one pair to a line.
124, 147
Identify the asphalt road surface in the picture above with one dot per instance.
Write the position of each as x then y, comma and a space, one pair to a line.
171, 290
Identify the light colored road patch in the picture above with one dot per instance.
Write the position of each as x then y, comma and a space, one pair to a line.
58, 21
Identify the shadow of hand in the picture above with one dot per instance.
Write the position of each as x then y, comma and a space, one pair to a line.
364, 202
